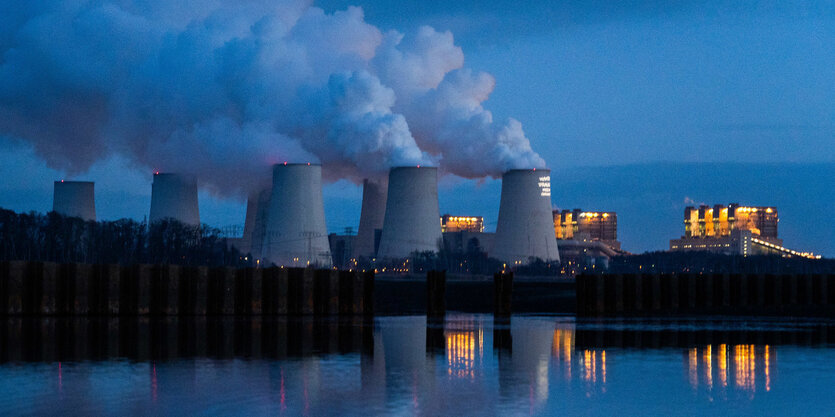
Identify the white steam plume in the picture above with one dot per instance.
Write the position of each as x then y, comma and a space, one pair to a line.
220, 89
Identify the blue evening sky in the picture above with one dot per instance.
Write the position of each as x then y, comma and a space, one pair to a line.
638, 106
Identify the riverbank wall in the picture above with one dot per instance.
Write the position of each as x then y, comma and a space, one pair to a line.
46, 289
700, 294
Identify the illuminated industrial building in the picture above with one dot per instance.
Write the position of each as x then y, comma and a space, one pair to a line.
463, 234
733, 229
717, 221
462, 224
587, 226
587, 239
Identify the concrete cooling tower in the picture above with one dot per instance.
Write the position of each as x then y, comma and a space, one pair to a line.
74, 199
296, 234
174, 196
412, 221
255, 225
371, 219
526, 224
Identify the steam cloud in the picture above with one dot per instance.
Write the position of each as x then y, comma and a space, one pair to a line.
219, 90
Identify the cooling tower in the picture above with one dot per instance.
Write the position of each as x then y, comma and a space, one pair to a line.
526, 224
74, 199
255, 224
174, 196
296, 234
412, 221
371, 219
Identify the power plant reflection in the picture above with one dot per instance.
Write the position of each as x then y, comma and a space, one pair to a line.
405, 363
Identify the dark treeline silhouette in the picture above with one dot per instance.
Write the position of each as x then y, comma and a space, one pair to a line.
706, 262
53, 237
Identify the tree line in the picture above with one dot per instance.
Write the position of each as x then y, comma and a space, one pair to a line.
53, 237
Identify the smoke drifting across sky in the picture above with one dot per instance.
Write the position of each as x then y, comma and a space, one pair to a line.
220, 90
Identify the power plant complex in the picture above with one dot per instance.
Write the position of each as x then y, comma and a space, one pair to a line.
400, 216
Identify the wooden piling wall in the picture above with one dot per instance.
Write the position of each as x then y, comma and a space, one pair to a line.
50, 289
697, 294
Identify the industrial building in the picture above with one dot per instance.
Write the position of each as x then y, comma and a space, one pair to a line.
578, 256
411, 218
342, 246
295, 233
174, 196
587, 239
464, 241
733, 230
591, 226
719, 220
464, 234
525, 229
451, 223
74, 199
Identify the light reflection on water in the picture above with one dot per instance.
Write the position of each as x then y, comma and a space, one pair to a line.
408, 366
748, 367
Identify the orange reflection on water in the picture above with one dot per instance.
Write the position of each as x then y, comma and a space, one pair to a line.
588, 365
562, 348
767, 360
594, 366
463, 350
708, 361
745, 361
723, 365
603, 364
750, 365
693, 367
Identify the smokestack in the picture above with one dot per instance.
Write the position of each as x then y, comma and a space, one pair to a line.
296, 234
74, 199
174, 196
526, 223
412, 221
371, 218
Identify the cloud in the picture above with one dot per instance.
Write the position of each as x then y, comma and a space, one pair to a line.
221, 90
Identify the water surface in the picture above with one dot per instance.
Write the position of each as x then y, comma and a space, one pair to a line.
403, 365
